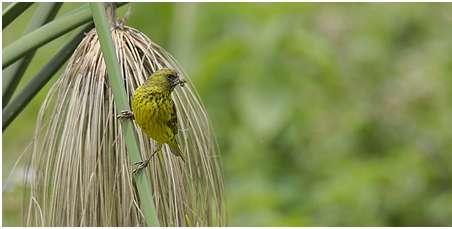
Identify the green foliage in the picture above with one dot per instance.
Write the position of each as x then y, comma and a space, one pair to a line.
326, 114
12, 11
12, 75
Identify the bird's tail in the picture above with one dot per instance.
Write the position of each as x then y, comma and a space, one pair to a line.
175, 149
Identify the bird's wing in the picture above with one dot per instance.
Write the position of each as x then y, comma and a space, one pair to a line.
172, 122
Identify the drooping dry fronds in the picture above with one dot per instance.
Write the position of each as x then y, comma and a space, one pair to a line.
82, 173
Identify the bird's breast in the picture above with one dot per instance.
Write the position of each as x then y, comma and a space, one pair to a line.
152, 112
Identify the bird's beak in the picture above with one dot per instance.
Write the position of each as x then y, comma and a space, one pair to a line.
179, 82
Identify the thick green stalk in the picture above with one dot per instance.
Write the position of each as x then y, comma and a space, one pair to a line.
39, 81
12, 11
13, 74
121, 102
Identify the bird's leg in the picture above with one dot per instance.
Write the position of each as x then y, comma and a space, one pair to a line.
159, 147
143, 164
125, 115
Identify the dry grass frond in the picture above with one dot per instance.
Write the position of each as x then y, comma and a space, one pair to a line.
83, 175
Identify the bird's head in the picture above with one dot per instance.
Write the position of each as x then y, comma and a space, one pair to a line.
166, 78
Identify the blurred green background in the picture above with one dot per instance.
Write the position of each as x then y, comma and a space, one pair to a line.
326, 114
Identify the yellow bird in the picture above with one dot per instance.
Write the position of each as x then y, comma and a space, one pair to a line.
154, 110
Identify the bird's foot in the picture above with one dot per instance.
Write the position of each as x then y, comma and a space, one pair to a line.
140, 165
143, 164
125, 115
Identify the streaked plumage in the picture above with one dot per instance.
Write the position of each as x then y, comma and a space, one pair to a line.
154, 110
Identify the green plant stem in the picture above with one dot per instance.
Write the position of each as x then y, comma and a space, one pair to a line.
13, 11
40, 80
13, 74
121, 102
45, 34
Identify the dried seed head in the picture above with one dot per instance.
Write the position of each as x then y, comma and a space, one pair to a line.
82, 172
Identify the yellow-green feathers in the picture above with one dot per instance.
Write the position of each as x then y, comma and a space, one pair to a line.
154, 110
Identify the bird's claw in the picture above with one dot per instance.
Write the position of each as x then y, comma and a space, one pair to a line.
125, 115
140, 165
143, 164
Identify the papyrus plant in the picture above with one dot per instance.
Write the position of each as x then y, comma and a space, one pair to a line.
82, 175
